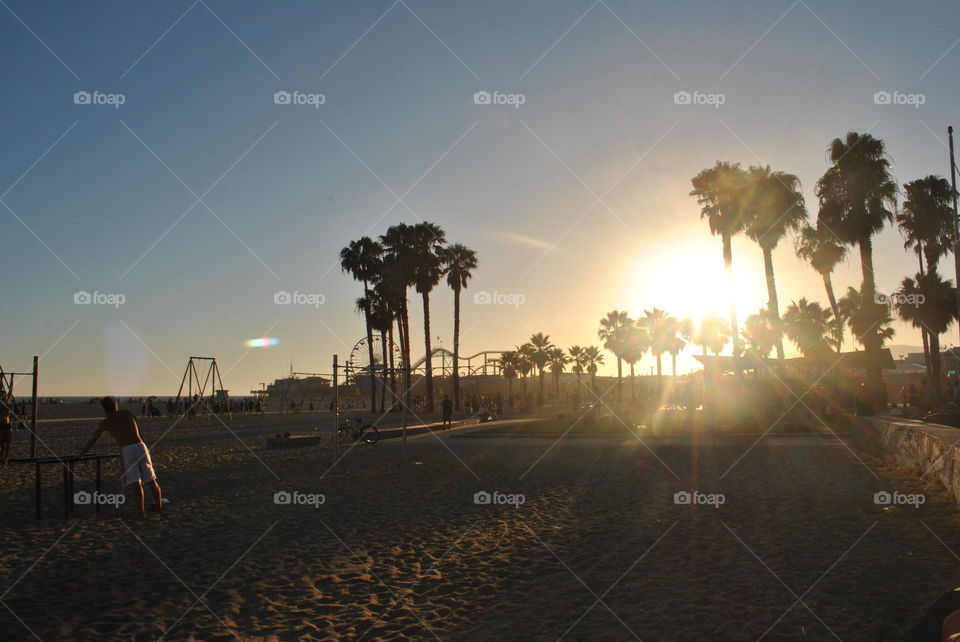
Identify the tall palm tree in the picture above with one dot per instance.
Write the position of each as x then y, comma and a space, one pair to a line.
460, 263
774, 206
759, 332
856, 197
865, 317
926, 222
509, 367
577, 359
675, 346
362, 260
592, 358
661, 329
806, 324
540, 355
525, 363
428, 266
635, 343
558, 363
819, 247
719, 191
381, 320
612, 332
399, 258
929, 302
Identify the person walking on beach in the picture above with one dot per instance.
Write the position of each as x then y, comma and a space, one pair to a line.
6, 426
135, 464
447, 412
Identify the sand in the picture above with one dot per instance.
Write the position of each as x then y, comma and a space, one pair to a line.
400, 551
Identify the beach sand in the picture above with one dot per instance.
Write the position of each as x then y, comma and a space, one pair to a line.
597, 551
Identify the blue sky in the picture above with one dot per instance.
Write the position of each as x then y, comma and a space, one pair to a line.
577, 199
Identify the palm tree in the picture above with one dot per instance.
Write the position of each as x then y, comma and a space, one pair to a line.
819, 247
525, 363
713, 333
675, 346
926, 222
428, 266
540, 355
611, 331
460, 262
661, 329
759, 332
929, 302
856, 196
361, 259
774, 207
577, 359
806, 324
509, 367
592, 358
390, 293
558, 362
719, 191
381, 320
634, 344
865, 317
399, 258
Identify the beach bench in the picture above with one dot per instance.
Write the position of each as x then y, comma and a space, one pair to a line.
68, 463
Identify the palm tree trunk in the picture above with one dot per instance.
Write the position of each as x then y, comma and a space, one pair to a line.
383, 379
673, 359
872, 342
541, 385
923, 329
393, 366
731, 292
428, 364
373, 374
935, 364
405, 338
633, 386
659, 376
619, 378
456, 348
773, 304
828, 285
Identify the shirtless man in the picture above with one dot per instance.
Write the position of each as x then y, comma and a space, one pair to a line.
135, 461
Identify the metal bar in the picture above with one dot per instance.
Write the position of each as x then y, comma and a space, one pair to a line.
336, 415
33, 409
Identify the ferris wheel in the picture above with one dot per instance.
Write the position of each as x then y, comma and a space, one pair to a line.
359, 363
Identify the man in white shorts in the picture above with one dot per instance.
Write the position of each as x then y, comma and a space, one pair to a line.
135, 465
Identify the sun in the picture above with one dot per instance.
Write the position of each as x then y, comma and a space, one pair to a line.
689, 282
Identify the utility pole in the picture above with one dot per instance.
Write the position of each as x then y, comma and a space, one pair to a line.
956, 222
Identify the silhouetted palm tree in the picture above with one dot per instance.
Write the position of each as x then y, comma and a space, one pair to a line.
381, 320
361, 259
399, 258
675, 346
525, 363
661, 329
540, 355
759, 332
774, 207
558, 363
427, 267
856, 196
929, 302
719, 191
865, 317
611, 331
509, 367
819, 247
634, 344
806, 324
713, 333
593, 358
577, 358
460, 263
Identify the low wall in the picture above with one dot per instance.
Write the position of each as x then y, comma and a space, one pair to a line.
933, 451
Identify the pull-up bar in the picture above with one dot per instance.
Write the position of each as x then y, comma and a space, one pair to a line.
68, 477
7, 382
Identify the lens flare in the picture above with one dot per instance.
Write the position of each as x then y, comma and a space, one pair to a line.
262, 342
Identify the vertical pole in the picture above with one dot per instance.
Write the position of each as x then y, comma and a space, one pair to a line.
956, 223
33, 408
336, 415
406, 387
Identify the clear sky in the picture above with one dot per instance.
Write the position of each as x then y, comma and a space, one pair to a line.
198, 198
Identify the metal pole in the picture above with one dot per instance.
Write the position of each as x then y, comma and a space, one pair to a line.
336, 415
403, 433
33, 409
956, 223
